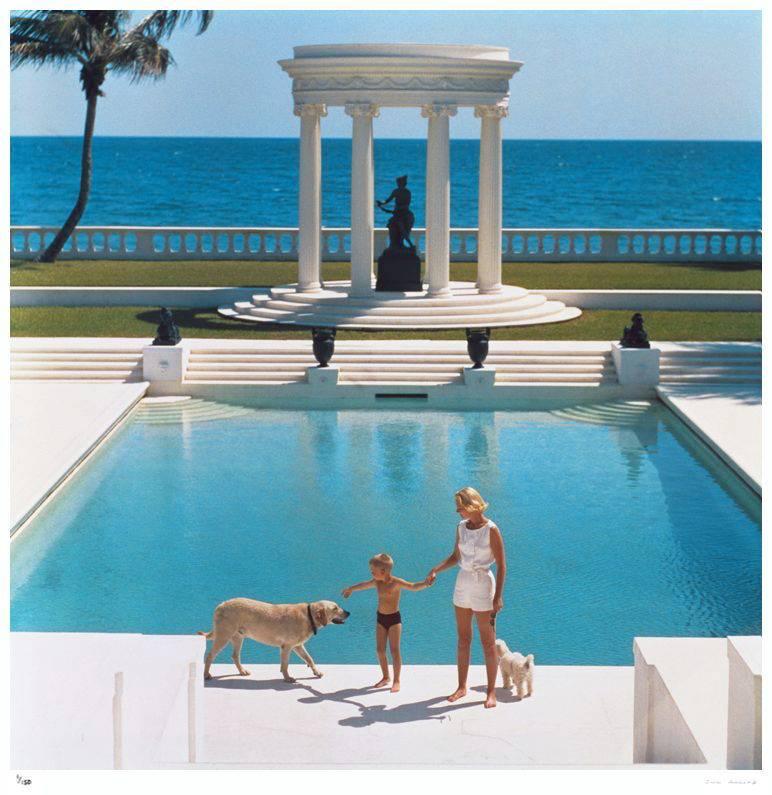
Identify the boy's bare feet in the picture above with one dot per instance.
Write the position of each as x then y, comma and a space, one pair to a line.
395, 687
490, 700
460, 693
383, 682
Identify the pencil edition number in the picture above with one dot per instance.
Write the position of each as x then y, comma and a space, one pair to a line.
23, 781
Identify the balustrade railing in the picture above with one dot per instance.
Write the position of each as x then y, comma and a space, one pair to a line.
281, 244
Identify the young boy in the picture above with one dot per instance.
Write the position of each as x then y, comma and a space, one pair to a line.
388, 620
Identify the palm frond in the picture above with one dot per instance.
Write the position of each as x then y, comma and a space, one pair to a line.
140, 57
67, 30
41, 53
161, 23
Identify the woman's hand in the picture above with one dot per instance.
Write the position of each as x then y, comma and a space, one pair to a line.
498, 605
431, 577
346, 593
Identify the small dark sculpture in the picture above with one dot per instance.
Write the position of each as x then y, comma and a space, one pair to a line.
399, 267
324, 345
167, 332
635, 336
477, 346
400, 224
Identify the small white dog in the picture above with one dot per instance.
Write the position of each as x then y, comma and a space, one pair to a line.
515, 669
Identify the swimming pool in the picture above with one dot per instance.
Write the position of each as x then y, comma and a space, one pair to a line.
617, 522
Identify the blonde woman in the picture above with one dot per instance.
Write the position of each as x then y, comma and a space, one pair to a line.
477, 593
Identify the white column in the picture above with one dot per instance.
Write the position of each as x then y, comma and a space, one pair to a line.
362, 196
310, 206
438, 197
489, 212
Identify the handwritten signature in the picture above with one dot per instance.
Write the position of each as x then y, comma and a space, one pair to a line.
731, 781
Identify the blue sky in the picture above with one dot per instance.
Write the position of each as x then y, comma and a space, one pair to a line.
591, 74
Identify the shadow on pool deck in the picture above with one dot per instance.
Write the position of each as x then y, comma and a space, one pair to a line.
436, 708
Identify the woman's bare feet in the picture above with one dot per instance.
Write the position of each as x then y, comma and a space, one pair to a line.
395, 687
490, 700
385, 681
460, 693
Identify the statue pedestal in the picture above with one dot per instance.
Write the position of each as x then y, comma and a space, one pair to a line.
322, 377
399, 271
164, 362
639, 366
480, 377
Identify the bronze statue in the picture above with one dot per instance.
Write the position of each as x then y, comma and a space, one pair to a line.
167, 332
400, 224
635, 336
399, 266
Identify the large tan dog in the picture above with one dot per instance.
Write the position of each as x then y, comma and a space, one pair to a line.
285, 626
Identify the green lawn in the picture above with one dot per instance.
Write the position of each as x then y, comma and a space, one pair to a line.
592, 325
556, 275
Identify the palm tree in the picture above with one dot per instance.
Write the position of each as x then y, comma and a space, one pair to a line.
100, 43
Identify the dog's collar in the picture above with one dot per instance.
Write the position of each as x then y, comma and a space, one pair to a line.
311, 618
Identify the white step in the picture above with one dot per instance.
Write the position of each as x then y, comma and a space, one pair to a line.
706, 379
516, 377
439, 377
461, 297
75, 365
461, 359
34, 356
78, 375
451, 311
228, 375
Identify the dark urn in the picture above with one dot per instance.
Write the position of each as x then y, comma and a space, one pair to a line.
477, 345
635, 336
324, 345
167, 332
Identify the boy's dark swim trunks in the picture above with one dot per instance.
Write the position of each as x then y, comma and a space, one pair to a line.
387, 620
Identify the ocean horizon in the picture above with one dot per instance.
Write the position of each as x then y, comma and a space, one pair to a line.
253, 181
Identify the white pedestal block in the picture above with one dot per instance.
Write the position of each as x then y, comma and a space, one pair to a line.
322, 377
639, 366
480, 378
743, 750
164, 362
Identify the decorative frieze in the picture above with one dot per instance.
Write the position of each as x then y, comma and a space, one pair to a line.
381, 82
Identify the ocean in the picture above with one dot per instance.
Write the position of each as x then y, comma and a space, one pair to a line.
254, 182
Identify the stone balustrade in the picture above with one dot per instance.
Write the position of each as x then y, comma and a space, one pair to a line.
281, 244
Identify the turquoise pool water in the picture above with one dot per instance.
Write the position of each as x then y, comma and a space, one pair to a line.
617, 522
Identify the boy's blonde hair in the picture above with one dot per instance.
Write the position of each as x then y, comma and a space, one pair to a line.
470, 499
382, 561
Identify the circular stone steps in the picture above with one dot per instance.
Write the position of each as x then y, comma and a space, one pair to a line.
153, 412
462, 294
465, 306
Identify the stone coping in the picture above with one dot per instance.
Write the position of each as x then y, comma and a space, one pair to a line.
727, 418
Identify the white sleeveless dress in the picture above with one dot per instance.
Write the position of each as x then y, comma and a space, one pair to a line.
475, 583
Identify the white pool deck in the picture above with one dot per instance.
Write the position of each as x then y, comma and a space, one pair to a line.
727, 419
577, 717
54, 427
